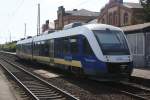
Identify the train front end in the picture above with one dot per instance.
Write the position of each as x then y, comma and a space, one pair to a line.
113, 57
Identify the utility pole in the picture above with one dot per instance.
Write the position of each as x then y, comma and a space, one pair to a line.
38, 20
10, 37
25, 29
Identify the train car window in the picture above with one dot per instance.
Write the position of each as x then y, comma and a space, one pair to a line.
51, 50
26, 48
87, 50
43, 48
33, 48
58, 46
74, 48
36, 48
20, 48
47, 46
23, 48
65, 45
17, 47
29, 48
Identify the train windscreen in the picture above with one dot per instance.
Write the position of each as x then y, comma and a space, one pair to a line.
112, 42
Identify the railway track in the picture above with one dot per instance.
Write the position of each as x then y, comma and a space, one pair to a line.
138, 92
131, 89
140, 81
35, 87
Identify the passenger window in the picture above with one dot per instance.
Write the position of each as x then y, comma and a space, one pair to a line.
87, 50
36, 48
44, 48
59, 47
51, 46
74, 45
65, 45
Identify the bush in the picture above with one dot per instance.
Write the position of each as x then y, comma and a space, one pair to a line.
9, 47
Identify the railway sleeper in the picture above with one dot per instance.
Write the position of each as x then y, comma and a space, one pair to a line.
46, 93
51, 97
54, 99
36, 91
46, 90
37, 87
42, 90
41, 86
144, 95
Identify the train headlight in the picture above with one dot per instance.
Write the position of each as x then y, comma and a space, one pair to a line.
123, 67
107, 58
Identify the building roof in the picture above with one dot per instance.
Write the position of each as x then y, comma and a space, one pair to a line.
94, 21
136, 27
132, 5
82, 12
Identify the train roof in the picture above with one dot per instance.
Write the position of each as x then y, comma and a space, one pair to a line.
25, 41
101, 27
80, 30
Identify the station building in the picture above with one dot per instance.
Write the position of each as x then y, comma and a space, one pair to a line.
67, 17
119, 13
139, 40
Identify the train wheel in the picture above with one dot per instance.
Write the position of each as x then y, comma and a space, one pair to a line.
78, 72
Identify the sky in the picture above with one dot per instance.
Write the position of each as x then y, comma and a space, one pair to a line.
15, 13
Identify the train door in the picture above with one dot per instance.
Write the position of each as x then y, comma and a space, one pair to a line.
51, 52
74, 50
75, 54
88, 57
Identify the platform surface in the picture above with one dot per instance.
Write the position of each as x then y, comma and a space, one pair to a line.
143, 73
5, 91
13, 53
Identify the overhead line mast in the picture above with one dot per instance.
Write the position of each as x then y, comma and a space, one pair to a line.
38, 20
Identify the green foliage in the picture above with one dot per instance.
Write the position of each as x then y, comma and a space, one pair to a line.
10, 47
146, 6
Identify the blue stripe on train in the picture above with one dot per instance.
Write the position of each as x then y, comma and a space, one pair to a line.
93, 66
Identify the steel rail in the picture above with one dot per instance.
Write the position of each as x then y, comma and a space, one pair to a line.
139, 92
63, 93
128, 89
138, 95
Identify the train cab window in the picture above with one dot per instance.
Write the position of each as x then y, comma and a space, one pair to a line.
74, 48
87, 50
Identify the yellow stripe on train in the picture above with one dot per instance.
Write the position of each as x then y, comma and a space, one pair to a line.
74, 63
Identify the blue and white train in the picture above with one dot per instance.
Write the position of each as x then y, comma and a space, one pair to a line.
97, 50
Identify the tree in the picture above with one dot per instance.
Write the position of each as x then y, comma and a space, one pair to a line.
146, 7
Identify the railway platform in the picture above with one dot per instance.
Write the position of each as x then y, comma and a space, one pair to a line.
5, 91
142, 73
12, 53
